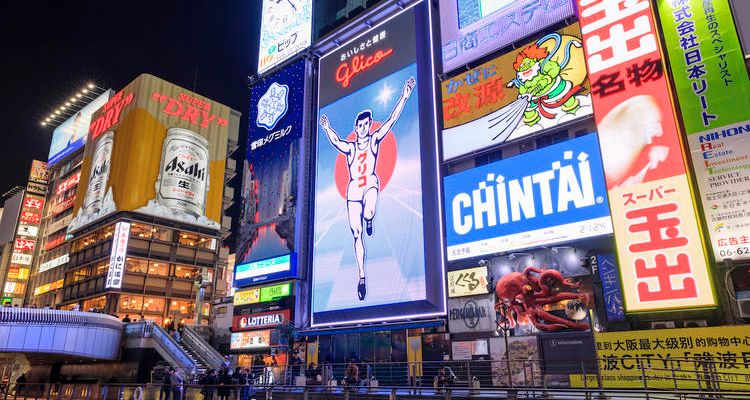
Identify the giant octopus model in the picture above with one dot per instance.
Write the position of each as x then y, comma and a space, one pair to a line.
526, 293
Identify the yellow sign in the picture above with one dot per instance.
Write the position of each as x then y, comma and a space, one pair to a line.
689, 358
249, 296
48, 287
467, 282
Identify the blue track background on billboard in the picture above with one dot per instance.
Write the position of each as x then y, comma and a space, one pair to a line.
403, 257
269, 189
516, 168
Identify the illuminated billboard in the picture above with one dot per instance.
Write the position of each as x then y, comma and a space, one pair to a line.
712, 85
551, 195
260, 320
539, 86
268, 213
285, 30
265, 270
155, 148
71, 134
375, 152
252, 340
659, 245
471, 29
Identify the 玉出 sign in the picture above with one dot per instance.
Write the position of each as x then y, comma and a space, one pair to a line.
467, 282
661, 260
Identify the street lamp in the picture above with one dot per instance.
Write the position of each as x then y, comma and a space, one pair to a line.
504, 323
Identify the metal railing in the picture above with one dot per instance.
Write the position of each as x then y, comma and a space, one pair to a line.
16, 315
207, 354
163, 343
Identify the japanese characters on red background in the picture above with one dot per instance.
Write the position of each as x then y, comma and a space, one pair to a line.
660, 251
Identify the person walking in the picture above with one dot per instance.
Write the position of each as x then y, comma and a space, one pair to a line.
209, 385
164, 379
175, 384
126, 319
225, 384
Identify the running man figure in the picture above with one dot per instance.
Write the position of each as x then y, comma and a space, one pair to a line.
364, 185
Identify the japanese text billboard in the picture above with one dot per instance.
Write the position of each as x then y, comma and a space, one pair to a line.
471, 29
467, 282
659, 245
285, 30
375, 156
155, 148
539, 86
71, 134
116, 271
670, 357
547, 196
265, 270
713, 89
269, 188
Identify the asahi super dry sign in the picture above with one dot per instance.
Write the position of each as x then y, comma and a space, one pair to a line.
155, 148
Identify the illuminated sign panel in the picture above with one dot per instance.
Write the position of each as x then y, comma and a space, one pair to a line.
500, 101
56, 262
48, 287
250, 340
270, 186
261, 320
661, 257
467, 282
285, 30
71, 134
375, 151
712, 85
275, 292
157, 149
471, 29
68, 183
547, 196
117, 256
39, 172
259, 271
249, 296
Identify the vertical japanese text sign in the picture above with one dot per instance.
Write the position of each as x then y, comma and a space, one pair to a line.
661, 257
713, 89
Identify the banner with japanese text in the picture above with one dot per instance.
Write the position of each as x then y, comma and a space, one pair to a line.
713, 89
671, 357
659, 245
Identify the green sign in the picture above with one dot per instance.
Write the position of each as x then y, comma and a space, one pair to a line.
6, 300
275, 292
706, 61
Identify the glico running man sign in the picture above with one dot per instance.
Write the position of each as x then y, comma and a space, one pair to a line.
375, 257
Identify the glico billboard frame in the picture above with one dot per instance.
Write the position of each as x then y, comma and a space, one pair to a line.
401, 66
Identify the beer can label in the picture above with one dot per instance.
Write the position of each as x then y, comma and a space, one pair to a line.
184, 172
100, 165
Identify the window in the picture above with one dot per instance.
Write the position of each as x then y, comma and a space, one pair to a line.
153, 305
185, 272
141, 231
158, 268
549, 140
95, 304
101, 268
181, 307
131, 303
189, 239
136, 265
80, 274
162, 234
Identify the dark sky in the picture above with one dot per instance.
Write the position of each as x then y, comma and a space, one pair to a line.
51, 48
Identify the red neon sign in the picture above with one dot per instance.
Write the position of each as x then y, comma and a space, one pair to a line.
360, 63
189, 109
68, 183
111, 114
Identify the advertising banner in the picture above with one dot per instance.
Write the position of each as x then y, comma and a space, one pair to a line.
55, 262
472, 314
67, 184
71, 134
713, 89
244, 297
116, 270
661, 257
523, 353
285, 30
610, 277
39, 172
259, 271
540, 86
671, 358
547, 196
471, 29
269, 188
467, 282
262, 320
250, 340
155, 148
275, 292
27, 230
48, 287
375, 156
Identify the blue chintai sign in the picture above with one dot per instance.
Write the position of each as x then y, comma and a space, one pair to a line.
548, 196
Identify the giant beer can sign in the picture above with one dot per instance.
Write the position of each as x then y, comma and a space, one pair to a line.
154, 148
183, 180
97, 183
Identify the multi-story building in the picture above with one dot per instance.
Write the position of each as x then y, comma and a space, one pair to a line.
148, 217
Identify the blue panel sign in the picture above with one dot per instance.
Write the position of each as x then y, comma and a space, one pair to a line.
265, 270
551, 195
611, 287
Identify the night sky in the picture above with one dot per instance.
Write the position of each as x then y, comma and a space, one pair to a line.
52, 48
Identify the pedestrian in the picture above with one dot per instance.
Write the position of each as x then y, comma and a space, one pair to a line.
142, 318
126, 319
175, 384
225, 382
227, 362
164, 378
175, 335
209, 385
20, 384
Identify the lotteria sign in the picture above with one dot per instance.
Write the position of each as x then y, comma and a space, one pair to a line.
547, 196
263, 320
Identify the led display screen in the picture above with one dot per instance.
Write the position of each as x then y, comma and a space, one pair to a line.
285, 30
71, 134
